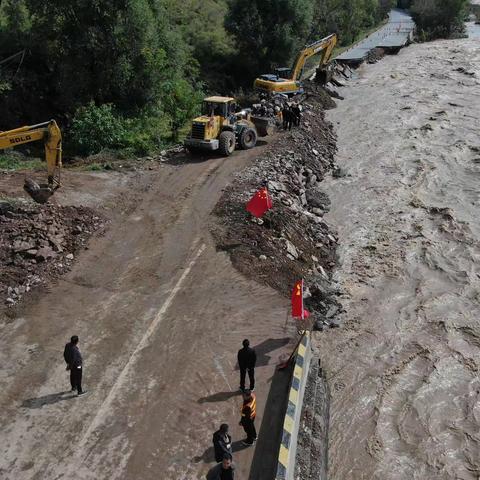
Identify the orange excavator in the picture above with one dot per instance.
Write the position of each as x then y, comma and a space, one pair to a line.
50, 134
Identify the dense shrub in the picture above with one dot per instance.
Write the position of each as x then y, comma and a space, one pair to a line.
95, 128
180, 104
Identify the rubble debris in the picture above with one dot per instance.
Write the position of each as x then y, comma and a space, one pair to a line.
319, 95
312, 444
38, 242
375, 55
293, 241
269, 108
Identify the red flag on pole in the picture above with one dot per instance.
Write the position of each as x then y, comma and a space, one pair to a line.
260, 203
297, 302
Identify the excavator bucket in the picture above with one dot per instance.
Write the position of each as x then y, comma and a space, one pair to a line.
39, 193
324, 74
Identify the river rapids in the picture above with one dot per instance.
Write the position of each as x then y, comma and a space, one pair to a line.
404, 367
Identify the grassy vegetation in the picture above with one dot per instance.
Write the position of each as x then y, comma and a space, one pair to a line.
97, 167
16, 162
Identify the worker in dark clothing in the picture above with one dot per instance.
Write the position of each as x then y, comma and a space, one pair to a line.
223, 471
249, 412
296, 113
222, 442
247, 358
287, 116
74, 361
67, 355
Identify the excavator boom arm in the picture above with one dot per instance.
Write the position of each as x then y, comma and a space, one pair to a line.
20, 136
51, 135
325, 45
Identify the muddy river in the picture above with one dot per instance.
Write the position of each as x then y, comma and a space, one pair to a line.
404, 366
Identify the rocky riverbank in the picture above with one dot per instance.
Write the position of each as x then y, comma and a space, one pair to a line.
292, 240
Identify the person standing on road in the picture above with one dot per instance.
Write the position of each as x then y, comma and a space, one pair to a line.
223, 471
68, 355
247, 358
222, 442
74, 360
249, 412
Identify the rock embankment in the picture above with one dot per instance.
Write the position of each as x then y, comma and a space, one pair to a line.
292, 240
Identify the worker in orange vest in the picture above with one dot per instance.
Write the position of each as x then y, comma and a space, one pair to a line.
249, 411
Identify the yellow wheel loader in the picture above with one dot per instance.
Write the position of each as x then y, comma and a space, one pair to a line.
50, 134
223, 126
288, 81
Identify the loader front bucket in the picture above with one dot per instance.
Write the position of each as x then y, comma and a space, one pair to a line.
263, 125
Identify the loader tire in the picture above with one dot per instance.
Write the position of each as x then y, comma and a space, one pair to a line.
226, 143
248, 138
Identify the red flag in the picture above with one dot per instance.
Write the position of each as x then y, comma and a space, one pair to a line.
260, 203
297, 302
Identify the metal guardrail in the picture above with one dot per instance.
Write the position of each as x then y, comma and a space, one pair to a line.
291, 424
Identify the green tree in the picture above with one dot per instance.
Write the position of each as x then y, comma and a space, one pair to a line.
105, 51
180, 104
268, 32
201, 23
438, 18
120, 50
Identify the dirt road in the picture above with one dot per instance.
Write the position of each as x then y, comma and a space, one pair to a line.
160, 315
404, 367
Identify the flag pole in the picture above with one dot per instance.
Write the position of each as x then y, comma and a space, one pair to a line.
284, 365
286, 322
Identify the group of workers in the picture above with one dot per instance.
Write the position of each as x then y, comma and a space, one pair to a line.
291, 115
291, 112
222, 440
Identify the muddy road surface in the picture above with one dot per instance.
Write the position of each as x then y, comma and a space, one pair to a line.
160, 315
404, 367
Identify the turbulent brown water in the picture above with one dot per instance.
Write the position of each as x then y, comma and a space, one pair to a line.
404, 367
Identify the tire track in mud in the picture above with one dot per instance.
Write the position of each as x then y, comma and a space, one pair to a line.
407, 214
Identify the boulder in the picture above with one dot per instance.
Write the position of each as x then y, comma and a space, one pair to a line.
291, 249
317, 198
45, 253
332, 311
276, 186
23, 245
